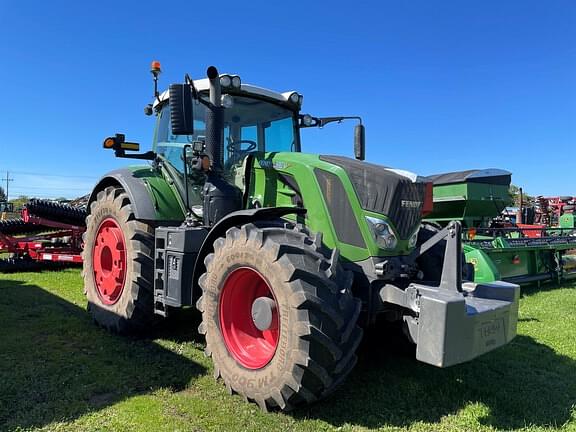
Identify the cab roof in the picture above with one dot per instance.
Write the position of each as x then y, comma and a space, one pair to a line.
202, 85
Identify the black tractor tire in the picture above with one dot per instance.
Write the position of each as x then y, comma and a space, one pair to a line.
18, 226
58, 212
318, 333
25, 264
130, 310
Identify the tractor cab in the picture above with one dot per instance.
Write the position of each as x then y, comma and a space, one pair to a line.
254, 120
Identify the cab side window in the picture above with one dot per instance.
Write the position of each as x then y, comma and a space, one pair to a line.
170, 146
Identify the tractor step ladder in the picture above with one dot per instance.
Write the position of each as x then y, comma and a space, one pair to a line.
159, 278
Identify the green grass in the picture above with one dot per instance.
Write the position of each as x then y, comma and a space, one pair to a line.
58, 371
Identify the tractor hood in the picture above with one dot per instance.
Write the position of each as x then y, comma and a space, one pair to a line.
397, 194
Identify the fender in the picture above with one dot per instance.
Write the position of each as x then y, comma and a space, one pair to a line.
236, 218
152, 198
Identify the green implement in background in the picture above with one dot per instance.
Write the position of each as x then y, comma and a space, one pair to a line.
501, 251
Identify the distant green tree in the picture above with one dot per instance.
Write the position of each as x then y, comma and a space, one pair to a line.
514, 193
2, 194
19, 202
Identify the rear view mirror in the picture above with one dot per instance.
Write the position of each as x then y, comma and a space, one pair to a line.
181, 109
359, 142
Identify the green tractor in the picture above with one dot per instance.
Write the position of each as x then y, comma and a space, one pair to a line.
287, 255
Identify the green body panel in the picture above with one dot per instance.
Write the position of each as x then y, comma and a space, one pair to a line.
503, 264
164, 195
470, 203
484, 268
267, 190
567, 220
502, 261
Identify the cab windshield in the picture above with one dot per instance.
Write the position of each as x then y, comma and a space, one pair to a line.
250, 125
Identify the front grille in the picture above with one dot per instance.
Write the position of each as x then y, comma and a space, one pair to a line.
403, 212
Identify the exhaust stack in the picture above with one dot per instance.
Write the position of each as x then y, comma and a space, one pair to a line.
220, 197
214, 121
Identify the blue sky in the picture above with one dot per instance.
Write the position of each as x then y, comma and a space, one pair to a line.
441, 85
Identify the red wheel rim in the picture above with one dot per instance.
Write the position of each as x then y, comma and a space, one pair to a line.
251, 347
109, 261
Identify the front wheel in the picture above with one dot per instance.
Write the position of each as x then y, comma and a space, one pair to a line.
118, 265
278, 316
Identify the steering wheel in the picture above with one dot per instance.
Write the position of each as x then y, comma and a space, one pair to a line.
252, 145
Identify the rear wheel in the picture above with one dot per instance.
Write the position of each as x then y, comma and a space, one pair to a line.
118, 266
278, 316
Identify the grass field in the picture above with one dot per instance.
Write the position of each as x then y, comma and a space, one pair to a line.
58, 371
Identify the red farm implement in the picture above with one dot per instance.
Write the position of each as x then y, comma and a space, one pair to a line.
548, 212
48, 235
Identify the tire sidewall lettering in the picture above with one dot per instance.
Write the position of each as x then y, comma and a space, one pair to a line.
225, 261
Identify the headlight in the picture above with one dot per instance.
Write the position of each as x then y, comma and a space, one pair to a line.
383, 234
227, 101
236, 83
225, 81
413, 239
294, 97
307, 120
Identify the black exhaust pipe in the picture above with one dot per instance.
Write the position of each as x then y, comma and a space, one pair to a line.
220, 197
214, 121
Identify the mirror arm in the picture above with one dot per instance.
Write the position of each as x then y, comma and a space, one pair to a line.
149, 155
190, 82
323, 121
195, 94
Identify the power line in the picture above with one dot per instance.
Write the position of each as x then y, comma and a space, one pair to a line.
53, 175
48, 188
46, 195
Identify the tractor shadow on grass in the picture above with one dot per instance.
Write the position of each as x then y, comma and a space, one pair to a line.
524, 383
56, 365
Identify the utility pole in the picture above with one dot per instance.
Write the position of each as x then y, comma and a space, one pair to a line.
8, 180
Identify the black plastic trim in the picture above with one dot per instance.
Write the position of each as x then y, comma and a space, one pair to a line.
135, 188
291, 182
341, 212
